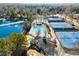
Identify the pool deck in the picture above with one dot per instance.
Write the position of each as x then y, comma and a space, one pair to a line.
12, 23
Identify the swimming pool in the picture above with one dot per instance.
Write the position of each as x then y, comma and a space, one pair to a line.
4, 21
8, 29
38, 29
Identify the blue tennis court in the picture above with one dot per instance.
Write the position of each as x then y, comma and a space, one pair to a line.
60, 25
68, 39
67, 36
55, 18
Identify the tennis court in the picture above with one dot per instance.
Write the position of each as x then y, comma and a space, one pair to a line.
67, 35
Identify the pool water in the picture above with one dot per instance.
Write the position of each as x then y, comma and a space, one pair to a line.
38, 29
8, 29
8, 21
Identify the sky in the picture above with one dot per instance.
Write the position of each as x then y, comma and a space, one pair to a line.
39, 1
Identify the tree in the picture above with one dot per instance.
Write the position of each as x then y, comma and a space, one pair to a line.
75, 9
17, 42
56, 9
27, 26
4, 47
39, 11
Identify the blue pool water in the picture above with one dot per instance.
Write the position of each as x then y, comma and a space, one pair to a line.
8, 29
38, 29
8, 21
